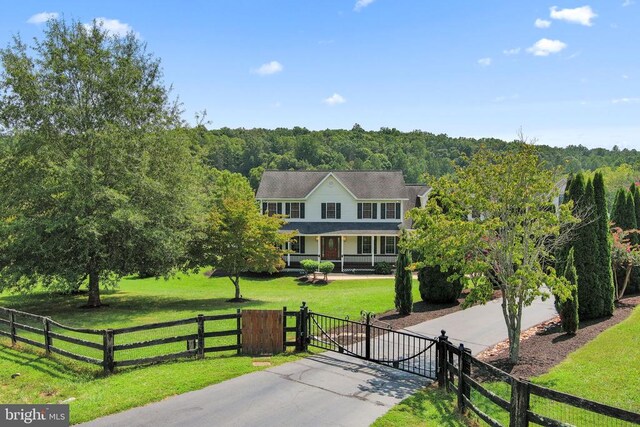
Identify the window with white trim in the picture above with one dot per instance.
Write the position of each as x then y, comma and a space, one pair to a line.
389, 245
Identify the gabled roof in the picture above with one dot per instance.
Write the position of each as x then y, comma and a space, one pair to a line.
367, 185
413, 192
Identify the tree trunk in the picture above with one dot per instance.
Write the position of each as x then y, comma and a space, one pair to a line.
620, 292
236, 283
514, 345
94, 289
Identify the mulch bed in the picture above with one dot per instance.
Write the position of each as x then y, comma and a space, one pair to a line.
545, 345
423, 311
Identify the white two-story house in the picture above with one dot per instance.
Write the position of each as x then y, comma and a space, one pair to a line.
352, 218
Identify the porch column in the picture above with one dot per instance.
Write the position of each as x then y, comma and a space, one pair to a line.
319, 253
341, 253
288, 254
373, 250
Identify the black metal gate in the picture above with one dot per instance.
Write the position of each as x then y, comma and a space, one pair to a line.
408, 352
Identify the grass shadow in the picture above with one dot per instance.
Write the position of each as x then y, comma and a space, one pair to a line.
33, 359
122, 308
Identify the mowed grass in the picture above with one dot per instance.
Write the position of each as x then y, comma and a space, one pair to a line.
430, 407
605, 370
141, 301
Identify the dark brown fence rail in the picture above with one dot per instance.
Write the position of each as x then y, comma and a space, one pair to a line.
482, 388
135, 345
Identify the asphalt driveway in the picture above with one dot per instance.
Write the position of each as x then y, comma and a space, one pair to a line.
328, 389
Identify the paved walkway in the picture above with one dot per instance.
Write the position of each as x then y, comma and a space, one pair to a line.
328, 389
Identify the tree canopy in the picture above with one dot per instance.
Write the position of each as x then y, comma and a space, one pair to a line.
235, 237
97, 181
493, 223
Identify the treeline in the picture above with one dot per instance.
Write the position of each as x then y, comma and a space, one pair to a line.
251, 151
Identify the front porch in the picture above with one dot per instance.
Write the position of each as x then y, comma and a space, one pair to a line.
349, 253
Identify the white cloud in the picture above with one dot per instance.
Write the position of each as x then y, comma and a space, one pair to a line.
361, 4
484, 62
625, 101
506, 98
335, 99
112, 26
579, 15
545, 47
514, 51
626, 3
272, 67
42, 17
625, 76
542, 23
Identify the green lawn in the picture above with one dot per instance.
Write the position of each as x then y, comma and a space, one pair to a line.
429, 407
605, 370
139, 301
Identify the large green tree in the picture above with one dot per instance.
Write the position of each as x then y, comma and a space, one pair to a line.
98, 181
235, 237
510, 240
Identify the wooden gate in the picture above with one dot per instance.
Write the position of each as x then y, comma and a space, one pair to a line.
262, 332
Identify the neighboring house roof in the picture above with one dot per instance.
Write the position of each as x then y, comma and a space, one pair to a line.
414, 191
367, 185
343, 228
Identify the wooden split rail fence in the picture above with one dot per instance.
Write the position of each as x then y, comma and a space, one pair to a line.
136, 345
479, 385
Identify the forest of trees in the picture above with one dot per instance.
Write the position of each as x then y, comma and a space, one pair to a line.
250, 151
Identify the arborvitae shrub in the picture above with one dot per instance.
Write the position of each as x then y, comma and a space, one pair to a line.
435, 286
404, 279
568, 310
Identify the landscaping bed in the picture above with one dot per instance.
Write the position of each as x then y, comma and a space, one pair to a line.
545, 345
423, 311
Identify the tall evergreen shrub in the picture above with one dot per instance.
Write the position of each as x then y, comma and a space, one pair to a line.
404, 278
634, 282
603, 259
568, 309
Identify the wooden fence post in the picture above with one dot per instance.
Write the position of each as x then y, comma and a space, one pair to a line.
464, 367
284, 329
12, 327
107, 351
200, 347
47, 338
519, 404
441, 362
239, 330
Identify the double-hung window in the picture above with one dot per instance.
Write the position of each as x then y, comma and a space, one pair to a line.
367, 210
294, 210
390, 211
271, 208
364, 244
389, 245
330, 210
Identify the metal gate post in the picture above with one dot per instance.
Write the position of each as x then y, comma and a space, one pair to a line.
303, 318
367, 350
441, 361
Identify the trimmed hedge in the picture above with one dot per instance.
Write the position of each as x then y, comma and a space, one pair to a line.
435, 286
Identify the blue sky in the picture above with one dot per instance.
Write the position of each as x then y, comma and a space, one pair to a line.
568, 72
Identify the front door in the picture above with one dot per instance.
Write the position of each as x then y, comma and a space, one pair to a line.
331, 248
